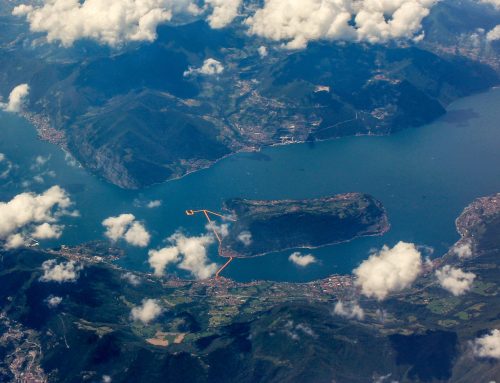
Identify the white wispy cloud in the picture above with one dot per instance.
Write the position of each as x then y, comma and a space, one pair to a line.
349, 310
389, 270
455, 280
245, 237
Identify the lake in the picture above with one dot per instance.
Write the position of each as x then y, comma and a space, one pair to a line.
424, 177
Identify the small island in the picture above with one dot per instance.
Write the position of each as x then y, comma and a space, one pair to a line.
266, 226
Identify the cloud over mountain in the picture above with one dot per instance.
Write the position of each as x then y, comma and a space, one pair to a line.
187, 253
488, 346
210, 67
455, 280
17, 97
127, 228
389, 270
298, 22
295, 23
148, 311
31, 215
349, 310
62, 272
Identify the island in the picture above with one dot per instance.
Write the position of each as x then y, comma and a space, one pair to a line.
267, 226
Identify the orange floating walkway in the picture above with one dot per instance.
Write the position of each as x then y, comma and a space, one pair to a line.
219, 239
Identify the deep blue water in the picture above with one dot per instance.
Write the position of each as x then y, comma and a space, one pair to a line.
424, 177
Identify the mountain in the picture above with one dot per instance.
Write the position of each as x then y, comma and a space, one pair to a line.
253, 332
135, 115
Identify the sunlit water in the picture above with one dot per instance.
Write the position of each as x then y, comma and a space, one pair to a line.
424, 177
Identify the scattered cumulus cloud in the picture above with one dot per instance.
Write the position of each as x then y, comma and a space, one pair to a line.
455, 280
148, 311
245, 237
302, 260
210, 67
297, 23
294, 23
127, 228
494, 34
116, 22
187, 253
263, 51
33, 215
53, 301
495, 3
62, 272
111, 22
47, 231
17, 98
463, 250
389, 270
488, 346
131, 278
349, 310
224, 12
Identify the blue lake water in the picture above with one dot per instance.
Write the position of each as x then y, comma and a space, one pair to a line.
424, 177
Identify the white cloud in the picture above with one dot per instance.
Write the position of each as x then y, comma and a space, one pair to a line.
464, 250
17, 99
210, 67
245, 237
111, 22
131, 278
263, 51
375, 21
14, 241
349, 310
47, 231
188, 253
28, 214
153, 204
126, 227
494, 34
62, 272
389, 270
162, 258
222, 230
5, 167
495, 3
302, 260
455, 280
137, 235
488, 346
147, 312
53, 301
115, 22
224, 12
